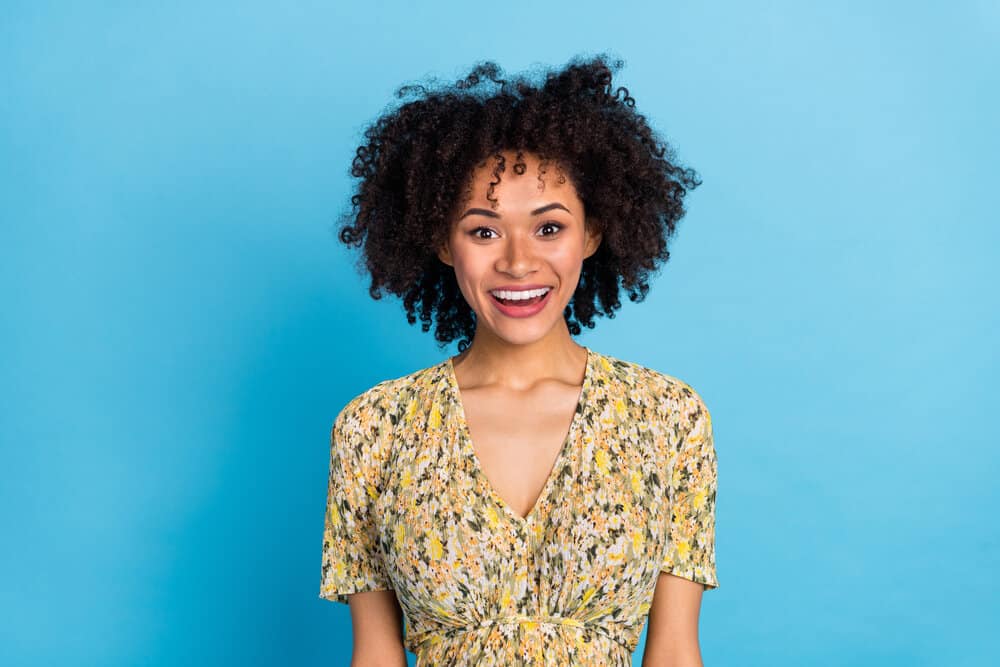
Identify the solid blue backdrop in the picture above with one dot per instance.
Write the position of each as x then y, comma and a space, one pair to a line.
180, 325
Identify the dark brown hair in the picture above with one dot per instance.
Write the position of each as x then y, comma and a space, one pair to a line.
415, 166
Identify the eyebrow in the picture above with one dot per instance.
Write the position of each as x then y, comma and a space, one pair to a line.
494, 214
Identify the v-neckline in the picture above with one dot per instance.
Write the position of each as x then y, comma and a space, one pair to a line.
468, 449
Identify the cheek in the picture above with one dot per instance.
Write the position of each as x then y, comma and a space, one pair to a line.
465, 264
469, 272
567, 261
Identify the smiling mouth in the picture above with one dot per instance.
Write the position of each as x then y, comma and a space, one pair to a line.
520, 299
520, 302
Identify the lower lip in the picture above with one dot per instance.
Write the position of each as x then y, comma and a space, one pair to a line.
521, 311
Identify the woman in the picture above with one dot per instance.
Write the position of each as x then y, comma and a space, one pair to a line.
530, 500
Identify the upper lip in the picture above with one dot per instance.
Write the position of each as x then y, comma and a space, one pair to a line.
519, 288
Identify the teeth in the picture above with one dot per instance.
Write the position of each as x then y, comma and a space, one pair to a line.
516, 296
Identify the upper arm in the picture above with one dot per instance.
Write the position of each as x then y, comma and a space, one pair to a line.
672, 636
353, 569
688, 568
692, 490
377, 625
352, 560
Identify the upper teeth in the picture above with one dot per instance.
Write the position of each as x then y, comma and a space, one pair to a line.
525, 294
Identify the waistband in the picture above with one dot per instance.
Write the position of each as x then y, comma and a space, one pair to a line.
530, 622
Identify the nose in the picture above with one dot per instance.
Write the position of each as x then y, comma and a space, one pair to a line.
517, 258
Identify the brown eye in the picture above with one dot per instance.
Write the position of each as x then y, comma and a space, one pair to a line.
552, 224
475, 232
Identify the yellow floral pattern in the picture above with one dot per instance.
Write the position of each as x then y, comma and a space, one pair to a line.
631, 494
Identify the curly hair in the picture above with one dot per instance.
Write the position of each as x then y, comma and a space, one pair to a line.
416, 161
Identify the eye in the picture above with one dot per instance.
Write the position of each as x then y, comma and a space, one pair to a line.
475, 233
552, 224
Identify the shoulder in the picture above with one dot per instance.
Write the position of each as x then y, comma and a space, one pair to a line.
379, 408
366, 430
665, 395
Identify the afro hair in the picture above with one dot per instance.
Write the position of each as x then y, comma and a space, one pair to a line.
416, 162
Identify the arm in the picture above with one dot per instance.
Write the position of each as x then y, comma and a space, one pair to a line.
672, 636
688, 568
353, 571
377, 622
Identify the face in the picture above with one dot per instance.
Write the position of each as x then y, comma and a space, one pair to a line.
534, 241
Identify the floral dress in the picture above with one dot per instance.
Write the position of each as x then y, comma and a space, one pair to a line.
631, 494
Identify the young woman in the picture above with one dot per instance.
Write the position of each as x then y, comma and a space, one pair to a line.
529, 501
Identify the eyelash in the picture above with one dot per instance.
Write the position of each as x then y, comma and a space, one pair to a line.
476, 231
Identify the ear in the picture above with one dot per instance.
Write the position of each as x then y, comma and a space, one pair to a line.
444, 254
593, 241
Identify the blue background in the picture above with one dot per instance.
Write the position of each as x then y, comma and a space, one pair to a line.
180, 326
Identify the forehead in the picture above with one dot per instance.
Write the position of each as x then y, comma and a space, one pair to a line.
530, 181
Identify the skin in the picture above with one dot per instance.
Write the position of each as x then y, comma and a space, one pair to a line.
377, 626
529, 367
672, 635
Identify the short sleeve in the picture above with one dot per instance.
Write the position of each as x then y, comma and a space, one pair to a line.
352, 561
693, 483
